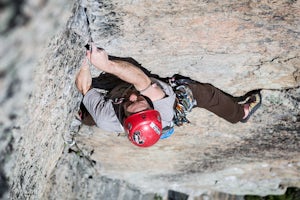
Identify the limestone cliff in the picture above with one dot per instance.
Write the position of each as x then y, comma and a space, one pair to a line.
235, 45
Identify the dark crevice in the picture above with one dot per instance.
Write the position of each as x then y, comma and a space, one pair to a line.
4, 188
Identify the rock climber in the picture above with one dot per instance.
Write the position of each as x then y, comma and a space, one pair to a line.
126, 97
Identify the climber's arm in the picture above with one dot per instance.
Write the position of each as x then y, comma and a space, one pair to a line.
125, 71
84, 78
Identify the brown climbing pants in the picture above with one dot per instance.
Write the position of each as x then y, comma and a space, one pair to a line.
216, 101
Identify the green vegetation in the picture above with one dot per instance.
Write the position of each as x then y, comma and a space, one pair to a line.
158, 197
290, 194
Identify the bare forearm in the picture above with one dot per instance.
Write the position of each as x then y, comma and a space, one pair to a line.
130, 73
83, 79
124, 70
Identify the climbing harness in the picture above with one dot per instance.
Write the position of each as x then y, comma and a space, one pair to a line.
184, 98
184, 102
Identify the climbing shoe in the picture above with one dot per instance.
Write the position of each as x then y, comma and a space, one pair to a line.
253, 102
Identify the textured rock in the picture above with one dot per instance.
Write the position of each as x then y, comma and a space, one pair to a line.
235, 45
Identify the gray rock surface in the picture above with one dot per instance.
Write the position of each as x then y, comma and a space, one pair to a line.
236, 45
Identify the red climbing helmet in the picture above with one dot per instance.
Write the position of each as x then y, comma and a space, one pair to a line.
144, 128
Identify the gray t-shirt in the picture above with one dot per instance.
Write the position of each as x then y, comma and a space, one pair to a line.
103, 113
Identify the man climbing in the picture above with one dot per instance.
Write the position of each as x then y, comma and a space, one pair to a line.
127, 97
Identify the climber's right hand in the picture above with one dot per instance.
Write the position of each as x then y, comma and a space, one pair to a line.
99, 58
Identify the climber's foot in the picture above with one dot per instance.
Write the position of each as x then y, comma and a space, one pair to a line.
252, 104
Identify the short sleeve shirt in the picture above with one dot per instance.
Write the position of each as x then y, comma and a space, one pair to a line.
103, 113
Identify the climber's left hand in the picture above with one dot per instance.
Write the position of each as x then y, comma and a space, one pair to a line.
84, 78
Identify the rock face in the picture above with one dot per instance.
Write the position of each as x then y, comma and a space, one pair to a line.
235, 45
